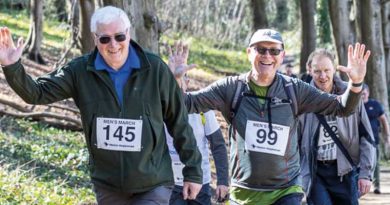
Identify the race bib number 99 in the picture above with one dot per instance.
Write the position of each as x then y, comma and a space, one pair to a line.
119, 134
258, 137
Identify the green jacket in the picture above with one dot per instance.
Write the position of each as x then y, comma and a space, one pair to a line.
151, 95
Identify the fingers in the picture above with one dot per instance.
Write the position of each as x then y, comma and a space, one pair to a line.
350, 51
356, 50
364, 186
20, 45
169, 49
343, 68
368, 53
3, 36
185, 52
192, 66
361, 51
185, 191
179, 48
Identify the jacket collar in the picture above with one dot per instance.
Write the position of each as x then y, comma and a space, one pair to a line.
339, 86
144, 62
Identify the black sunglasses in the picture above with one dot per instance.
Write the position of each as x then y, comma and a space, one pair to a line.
106, 39
272, 51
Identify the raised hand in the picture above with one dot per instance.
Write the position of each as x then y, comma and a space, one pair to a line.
177, 62
357, 63
9, 54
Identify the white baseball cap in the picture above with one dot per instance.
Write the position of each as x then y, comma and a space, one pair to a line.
266, 35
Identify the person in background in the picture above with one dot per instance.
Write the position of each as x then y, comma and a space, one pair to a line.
306, 77
289, 70
328, 175
262, 109
125, 96
208, 137
378, 118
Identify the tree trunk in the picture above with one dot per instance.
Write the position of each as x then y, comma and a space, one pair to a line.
386, 36
144, 21
35, 36
308, 9
342, 28
259, 19
62, 13
282, 12
74, 18
87, 7
372, 37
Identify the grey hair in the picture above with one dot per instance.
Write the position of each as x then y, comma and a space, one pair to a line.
108, 14
323, 52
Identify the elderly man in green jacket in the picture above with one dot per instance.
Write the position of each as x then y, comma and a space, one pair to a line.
125, 95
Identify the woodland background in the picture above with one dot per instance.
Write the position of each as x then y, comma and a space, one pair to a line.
55, 31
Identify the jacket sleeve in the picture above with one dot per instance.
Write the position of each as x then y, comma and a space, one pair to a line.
367, 149
176, 120
46, 89
218, 149
311, 99
214, 97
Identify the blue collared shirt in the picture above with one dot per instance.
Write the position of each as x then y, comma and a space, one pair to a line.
120, 77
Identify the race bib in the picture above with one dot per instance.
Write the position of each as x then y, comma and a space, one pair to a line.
177, 168
119, 134
258, 137
324, 136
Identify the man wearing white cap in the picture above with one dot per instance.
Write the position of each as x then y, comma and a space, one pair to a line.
264, 154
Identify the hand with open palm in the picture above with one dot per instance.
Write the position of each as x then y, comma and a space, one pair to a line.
9, 54
357, 63
177, 62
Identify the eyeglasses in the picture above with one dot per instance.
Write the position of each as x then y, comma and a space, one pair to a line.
104, 39
271, 51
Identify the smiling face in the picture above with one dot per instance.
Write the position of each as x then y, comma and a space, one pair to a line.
264, 66
114, 53
322, 71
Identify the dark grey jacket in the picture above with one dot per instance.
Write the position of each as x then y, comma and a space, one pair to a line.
258, 170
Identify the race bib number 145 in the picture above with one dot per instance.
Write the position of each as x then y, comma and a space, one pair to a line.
119, 134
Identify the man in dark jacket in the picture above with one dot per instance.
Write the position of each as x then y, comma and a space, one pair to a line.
125, 95
264, 154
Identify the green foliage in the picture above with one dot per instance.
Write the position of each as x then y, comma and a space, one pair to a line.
323, 24
46, 165
56, 10
54, 33
283, 15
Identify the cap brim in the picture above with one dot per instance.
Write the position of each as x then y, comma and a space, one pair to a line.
265, 40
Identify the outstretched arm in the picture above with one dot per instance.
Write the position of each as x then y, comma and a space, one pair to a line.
9, 53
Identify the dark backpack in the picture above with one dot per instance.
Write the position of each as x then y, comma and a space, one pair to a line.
239, 93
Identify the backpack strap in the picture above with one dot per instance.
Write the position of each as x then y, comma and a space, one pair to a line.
236, 101
289, 89
323, 122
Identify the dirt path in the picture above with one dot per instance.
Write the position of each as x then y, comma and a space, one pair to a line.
384, 198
